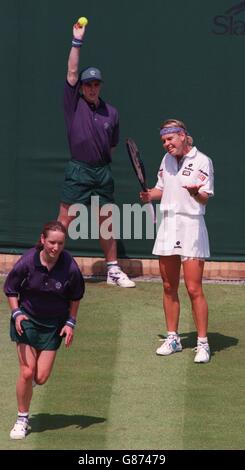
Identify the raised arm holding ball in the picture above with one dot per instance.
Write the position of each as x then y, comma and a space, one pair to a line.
93, 131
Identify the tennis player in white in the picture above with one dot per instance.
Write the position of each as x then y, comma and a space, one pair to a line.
184, 185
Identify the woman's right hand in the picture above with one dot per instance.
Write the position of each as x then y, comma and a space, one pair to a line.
145, 196
18, 323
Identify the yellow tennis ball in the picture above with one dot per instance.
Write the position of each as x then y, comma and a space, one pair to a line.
83, 21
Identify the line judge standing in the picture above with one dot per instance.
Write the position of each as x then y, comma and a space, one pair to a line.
93, 132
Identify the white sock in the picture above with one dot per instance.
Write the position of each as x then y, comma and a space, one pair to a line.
111, 265
172, 333
202, 340
23, 416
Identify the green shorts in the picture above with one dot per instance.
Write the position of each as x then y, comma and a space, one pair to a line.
83, 181
42, 336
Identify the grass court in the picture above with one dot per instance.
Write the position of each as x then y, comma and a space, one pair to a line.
111, 391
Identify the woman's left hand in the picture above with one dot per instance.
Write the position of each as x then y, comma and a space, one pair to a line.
193, 189
68, 333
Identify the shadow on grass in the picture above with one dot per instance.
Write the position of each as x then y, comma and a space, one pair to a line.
95, 279
99, 270
45, 421
217, 341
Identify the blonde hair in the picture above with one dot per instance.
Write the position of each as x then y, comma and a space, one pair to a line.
177, 123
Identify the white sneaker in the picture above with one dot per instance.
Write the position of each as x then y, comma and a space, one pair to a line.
202, 353
170, 345
116, 277
20, 430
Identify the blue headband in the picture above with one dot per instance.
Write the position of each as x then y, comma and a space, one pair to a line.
172, 130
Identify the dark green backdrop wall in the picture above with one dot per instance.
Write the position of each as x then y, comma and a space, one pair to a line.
160, 59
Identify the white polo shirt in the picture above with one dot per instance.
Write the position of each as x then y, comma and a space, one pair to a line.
194, 168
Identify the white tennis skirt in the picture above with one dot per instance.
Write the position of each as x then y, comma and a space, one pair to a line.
184, 235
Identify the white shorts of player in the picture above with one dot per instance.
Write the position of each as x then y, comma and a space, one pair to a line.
184, 235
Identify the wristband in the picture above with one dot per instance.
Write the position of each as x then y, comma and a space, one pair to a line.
76, 42
15, 313
71, 322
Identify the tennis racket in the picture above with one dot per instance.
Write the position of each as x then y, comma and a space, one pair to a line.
139, 169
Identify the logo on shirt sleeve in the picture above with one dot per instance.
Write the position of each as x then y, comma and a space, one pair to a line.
202, 175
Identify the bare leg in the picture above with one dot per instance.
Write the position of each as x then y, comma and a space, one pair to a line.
193, 272
109, 247
63, 216
170, 273
27, 362
44, 366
